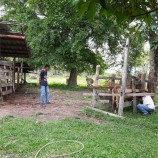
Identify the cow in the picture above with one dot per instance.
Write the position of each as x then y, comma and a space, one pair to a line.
117, 88
89, 82
115, 99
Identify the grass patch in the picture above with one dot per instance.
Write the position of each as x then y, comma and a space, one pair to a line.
59, 82
65, 87
128, 138
131, 119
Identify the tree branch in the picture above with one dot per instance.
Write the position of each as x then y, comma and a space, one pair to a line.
145, 13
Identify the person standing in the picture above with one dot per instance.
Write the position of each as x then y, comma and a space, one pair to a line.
148, 105
44, 89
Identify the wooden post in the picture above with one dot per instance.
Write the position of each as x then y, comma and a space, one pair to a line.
124, 76
134, 97
18, 76
143, 81
21, 71
96, 75
95, 84
13, 75
113, 80
1, 97
25, 78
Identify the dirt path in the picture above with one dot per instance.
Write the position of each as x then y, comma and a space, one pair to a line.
25, 103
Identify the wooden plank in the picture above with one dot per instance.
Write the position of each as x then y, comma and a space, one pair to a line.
5, 71
6, 63
1, 98
106, 113
6, 77
108, 78
102, 87
130, 90
128, 94
6, 84
6, 92
140, 94
107, 94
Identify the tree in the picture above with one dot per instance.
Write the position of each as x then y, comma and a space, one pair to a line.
129, 11
61, 37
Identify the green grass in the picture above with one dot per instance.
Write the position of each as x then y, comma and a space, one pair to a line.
59, 82
133, 137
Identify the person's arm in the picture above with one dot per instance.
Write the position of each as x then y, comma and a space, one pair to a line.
40, 78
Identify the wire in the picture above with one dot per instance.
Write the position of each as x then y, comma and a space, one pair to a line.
63, 155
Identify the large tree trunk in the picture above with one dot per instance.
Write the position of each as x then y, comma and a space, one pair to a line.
72, 81
153, 73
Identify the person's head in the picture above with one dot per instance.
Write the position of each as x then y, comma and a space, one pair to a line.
47, 67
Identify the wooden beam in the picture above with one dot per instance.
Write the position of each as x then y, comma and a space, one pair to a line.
134, 97
108, 78
6, 63
6, 92
95, 97
103, 87
6, 84
140, 94
128, 94
106, 113
13, 74
124, 76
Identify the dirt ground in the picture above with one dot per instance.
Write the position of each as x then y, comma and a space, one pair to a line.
64, 104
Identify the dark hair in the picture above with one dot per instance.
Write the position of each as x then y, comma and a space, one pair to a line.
47, 65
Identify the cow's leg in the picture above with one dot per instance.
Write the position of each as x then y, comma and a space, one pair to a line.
114, 104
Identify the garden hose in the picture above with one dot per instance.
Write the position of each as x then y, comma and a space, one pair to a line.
63, 155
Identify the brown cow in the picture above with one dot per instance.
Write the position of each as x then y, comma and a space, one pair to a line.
115, 99
89, 82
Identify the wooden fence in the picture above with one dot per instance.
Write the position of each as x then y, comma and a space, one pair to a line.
105, 92
6, 78
10, 77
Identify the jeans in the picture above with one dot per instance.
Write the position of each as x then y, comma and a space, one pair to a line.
144, 109
44, 92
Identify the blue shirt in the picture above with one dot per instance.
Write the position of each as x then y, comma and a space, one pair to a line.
43, 76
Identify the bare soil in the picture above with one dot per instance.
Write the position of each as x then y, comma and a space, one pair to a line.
64, 104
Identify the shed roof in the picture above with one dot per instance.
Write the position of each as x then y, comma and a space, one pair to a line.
13, 44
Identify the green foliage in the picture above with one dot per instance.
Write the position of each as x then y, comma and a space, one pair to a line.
59, 37
56, 35
120, 10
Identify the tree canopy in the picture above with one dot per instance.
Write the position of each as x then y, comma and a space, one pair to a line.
126, 10
59, 37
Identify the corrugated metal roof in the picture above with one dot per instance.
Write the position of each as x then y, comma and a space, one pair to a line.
12, 44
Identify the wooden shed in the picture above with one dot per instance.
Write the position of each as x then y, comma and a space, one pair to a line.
13, 44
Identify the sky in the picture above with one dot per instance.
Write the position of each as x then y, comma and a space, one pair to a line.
1, 11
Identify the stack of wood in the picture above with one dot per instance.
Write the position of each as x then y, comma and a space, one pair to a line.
6, 78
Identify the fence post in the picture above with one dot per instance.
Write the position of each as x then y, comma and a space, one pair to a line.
134, 97
124, 76
95, 84
143, 81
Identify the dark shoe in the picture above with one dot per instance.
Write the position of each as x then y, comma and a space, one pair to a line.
48, 103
